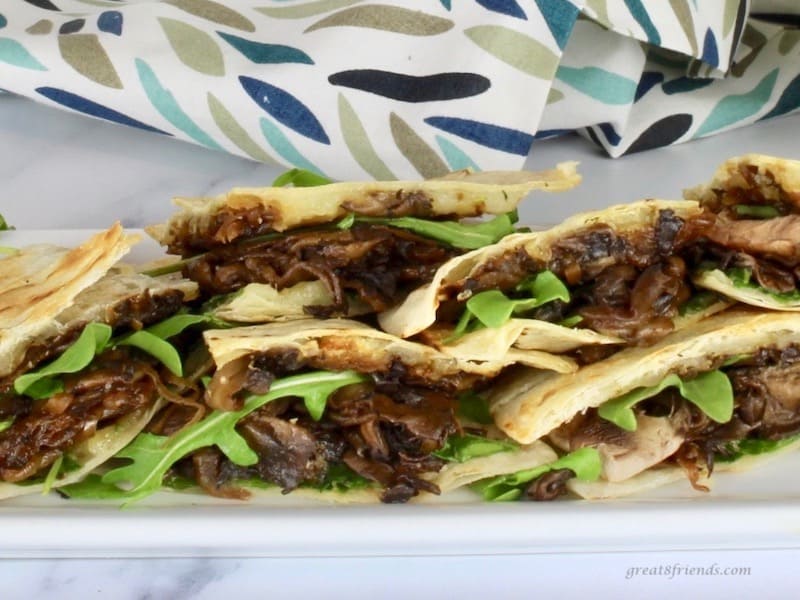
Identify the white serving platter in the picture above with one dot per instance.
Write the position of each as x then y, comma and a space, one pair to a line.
759, 509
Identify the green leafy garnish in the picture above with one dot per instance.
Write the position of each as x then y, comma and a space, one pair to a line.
94, 339
172, 267
45, 382
461, 448
50, 478
300, 178
6, 424
493, 308
4, 226
474, 407
340, 478
152, 455
467, 236
584, 462
710, 392
749, 447
759, 211
742, 278
698, 302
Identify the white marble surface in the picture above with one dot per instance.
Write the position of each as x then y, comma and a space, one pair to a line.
64, 171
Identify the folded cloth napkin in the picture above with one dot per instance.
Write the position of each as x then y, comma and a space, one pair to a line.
353, 89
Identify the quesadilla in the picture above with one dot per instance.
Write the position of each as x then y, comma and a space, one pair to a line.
721, 393
77, 383
327, 406
340, 249
752, 253
586, 287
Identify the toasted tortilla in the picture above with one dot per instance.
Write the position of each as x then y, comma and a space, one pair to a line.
90, 454
343, 344
39, 282
462, 194
529, 404
776, 179
717, 281
523, 337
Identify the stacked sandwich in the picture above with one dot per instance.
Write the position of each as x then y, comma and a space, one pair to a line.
398, 340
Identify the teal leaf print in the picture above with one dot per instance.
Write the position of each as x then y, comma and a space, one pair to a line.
789, 100
386, 18
738, 107
504, 7
516, 49
214, 12
235, 132
194, 47
3, 21
14, 53
261, 53
421, 156
305, 10
560, 16
285, 108
639, 13
445, 3
165, 103
285, 148
456, 158
602, 85
84, 53
359, 144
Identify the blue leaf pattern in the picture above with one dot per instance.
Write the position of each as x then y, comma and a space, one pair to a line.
110, 21
505, 7
710, 52
285, 148
485, 134
456, 158
285, 108
93, 109
560, 16
261, 53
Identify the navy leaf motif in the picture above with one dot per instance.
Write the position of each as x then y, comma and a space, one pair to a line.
110, 21
685, 84
412, 88
506, 7
73, 26
285, 108
611, 135
544, 134
560, 16
45, 4
93, 109
261, 53
789, 100
710, 53
500, 138
646, 83
662, 133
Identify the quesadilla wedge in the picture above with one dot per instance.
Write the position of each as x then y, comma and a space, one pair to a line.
75, 384
328, 405
597, 281
718, 395
752, 253
340, 249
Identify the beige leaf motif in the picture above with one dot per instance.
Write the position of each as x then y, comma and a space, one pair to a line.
195, 48
84, 53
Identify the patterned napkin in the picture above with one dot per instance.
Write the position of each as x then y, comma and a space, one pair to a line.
388, 89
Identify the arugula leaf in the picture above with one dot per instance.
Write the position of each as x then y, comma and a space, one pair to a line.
759, 211
742, 278
493, 308
43, 382
710, 392
467, 236
4, 226
152, 455
50, 478
300, 178
341, 478
5, 424
475, 408
697, 303
748, 447
92, 487
461, 448
584, 462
